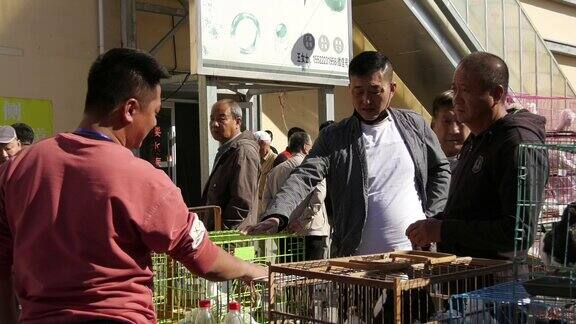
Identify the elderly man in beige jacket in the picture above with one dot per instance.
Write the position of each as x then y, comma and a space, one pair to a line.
267, 158
309, 218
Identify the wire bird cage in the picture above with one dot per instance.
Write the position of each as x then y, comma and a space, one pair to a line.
545, 221
510, 302
544, 288
399, 287
177, 291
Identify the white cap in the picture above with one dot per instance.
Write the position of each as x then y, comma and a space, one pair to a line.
7, 134
263, 136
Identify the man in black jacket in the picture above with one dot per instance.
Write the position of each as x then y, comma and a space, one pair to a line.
480, 215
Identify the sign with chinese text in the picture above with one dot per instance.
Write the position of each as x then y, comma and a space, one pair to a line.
36, 113
156, 158
285, 40
155, 147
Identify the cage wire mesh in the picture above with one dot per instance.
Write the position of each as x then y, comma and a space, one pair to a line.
510, 302
545, 222
177, 291
399, 287
544, 288
560, 112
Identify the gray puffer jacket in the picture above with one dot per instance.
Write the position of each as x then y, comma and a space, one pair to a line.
339, 156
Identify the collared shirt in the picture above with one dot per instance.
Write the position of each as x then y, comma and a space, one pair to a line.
222, 149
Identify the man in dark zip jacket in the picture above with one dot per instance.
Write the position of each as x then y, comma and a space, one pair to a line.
479, 219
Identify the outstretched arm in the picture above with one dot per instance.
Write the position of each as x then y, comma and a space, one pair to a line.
301, 182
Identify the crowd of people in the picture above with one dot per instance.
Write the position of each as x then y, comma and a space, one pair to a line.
76, 243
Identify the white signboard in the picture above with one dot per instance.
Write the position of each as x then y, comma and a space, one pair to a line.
284, 40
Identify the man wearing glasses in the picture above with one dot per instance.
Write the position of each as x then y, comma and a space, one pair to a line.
233, 183
384, 169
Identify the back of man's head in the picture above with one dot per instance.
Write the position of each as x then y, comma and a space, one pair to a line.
298, 141
442, 101
488, 70
294, 130
24, 133
118, 75
366, 63
325, 124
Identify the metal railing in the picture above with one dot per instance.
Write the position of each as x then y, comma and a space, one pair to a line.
502, 27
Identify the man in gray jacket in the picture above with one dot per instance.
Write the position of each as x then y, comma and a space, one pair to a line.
384, 169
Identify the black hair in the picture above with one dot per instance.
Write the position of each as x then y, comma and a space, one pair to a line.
297, 141
443, 100
120, 74
489, 70
366, 63
270, 133
294, 130
24, 133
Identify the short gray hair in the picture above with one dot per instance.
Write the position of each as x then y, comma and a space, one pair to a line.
235, 109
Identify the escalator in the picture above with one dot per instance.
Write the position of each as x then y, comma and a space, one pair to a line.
425, 40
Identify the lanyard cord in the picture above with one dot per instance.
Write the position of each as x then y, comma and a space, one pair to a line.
89, 133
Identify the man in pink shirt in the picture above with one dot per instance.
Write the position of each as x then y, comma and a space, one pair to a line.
79, 214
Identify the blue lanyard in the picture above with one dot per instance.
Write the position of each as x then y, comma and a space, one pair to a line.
89, 133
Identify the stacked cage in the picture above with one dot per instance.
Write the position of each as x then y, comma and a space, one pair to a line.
560, 112
177, 291
399, 287
544, 288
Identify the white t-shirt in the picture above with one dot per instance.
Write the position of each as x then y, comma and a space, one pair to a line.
393, 202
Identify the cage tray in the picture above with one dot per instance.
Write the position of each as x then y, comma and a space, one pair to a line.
551, 287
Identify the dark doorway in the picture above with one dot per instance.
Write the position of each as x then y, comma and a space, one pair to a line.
157, 149
188, 152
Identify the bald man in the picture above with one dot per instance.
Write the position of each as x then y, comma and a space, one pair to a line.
384, 168
480, 216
